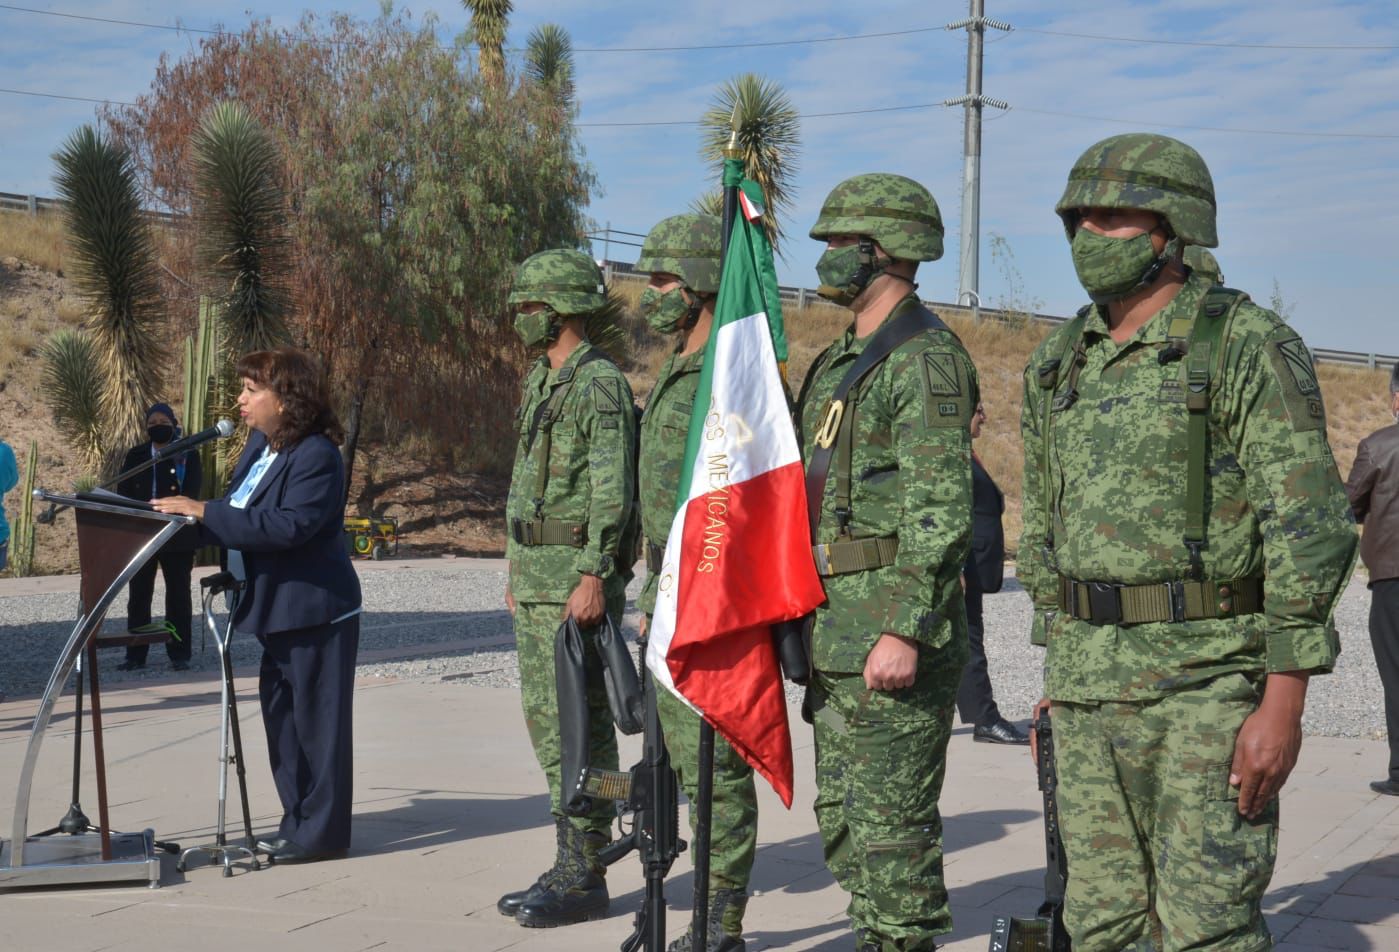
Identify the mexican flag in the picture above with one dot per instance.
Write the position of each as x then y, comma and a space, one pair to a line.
739, 554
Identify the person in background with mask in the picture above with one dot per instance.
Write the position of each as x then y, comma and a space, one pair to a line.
572, 498
1373, 488
889, 644
178, 476
681, 254
1186, 540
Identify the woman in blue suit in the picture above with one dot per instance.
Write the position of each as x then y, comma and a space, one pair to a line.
282, 523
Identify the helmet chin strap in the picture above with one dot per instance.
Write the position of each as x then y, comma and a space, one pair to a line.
1155, 269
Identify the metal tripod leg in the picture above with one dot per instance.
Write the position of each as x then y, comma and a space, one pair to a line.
220, 852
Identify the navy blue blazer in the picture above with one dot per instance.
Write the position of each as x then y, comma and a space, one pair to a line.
292, 538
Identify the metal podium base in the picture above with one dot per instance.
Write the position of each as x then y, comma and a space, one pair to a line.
63, 860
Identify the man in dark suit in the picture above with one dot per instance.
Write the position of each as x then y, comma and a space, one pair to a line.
983, 574
1373, 488
180, 476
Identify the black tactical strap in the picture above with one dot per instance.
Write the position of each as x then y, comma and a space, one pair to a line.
908, 321
1107, 603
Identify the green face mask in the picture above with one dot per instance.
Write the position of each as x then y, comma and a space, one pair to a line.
839, 271
536, 328
666, 311
1111, 268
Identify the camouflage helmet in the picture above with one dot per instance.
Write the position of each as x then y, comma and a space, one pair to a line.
1147, 171
688, 246
567, 280
1199, 259
894, 210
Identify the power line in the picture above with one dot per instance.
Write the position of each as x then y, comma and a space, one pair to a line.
1205, 43
1297, 133
1255, 132
30, 92
761, 43
1335, 47
577, 49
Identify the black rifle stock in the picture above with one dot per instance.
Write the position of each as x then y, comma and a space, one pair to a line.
649, 791
1045, 932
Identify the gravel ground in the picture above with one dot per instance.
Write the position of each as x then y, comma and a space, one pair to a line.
449, 622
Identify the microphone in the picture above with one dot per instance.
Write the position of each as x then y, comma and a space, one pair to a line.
219, 430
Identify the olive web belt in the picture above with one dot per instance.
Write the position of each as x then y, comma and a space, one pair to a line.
548, 532
855, 555
1108, 603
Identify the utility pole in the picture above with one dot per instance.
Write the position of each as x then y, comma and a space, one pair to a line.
975, 25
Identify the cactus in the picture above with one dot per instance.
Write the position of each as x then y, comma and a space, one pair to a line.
22, 542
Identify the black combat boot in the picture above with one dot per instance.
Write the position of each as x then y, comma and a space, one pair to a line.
510, 903
724, 932
577, 893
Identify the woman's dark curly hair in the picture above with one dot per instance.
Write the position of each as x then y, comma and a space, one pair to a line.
299, 383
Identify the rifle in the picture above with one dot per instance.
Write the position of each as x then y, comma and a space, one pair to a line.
1045, 932
649, 791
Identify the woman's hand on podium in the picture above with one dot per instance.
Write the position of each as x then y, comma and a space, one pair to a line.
179, 506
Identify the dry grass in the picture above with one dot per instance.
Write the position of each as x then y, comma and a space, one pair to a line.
37, 240
18, 343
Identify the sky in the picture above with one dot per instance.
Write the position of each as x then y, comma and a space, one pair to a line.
1302, 139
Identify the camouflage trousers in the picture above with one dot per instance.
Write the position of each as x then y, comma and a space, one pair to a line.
880, 762
536, 624
733, 836
1159, 857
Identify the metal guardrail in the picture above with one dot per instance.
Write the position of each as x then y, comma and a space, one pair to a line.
806, 297
34, 204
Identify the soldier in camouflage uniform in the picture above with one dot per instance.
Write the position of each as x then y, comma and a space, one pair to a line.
889, 644
1186, 538
1201, 260
682, 254
571, 496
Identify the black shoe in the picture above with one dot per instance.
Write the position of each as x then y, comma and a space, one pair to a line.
999, 731
271, 846
129, 665
1389, 788
563, 903
290, 853
179, 665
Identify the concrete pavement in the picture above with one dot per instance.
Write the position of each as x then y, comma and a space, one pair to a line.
450, 812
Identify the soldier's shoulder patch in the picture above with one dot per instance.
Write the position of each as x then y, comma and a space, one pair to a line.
941, 375
1299, 365
946, 389
1292, 365
607, 394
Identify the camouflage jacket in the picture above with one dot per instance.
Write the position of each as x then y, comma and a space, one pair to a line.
1275, 507
664, 428
910, 477
590, 479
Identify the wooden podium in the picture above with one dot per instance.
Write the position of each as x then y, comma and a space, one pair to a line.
115, 538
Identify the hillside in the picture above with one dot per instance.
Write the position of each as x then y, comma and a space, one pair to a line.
443, 510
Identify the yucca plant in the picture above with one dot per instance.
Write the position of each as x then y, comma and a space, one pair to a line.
22, 539
710, 203
769, 136
71, 385
489, 21
604, 328
549, 61
113, 265
241, 213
